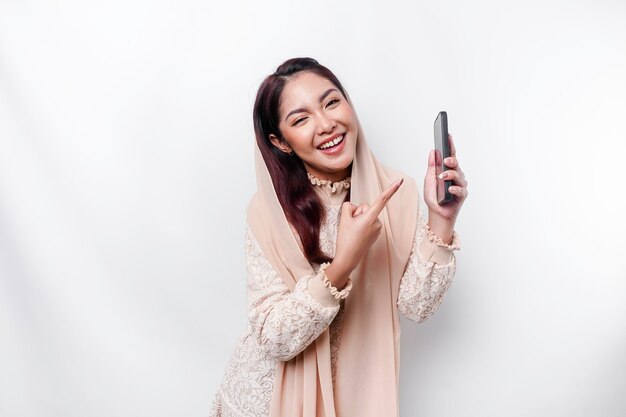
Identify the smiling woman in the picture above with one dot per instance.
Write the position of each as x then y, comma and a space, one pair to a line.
336, 248
318, 122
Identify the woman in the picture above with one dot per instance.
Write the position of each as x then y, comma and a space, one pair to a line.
336, 248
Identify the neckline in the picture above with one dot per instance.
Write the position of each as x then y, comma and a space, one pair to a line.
333, 186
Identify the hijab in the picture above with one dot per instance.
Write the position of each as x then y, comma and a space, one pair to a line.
367, 371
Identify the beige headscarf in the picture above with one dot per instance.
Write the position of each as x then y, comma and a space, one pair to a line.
368, 360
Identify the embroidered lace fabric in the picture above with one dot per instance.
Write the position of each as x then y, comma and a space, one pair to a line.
283, 323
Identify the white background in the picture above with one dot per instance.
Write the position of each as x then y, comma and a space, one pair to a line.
126, 165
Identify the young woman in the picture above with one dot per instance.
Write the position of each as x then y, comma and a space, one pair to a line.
336, 249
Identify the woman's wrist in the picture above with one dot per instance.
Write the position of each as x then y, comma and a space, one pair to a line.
441, 227
338, 274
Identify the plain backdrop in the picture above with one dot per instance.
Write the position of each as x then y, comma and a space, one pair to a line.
126, 164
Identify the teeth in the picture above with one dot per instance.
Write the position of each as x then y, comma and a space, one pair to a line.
332, 142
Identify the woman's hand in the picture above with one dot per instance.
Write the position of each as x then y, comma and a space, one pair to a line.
441, 218
359, 227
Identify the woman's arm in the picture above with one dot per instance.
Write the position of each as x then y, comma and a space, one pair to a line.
427, 276
284, 322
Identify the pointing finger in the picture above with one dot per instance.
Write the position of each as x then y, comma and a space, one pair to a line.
381, 201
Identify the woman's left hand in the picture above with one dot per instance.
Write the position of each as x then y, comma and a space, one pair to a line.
449, 211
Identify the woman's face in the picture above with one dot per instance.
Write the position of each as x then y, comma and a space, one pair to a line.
313, 112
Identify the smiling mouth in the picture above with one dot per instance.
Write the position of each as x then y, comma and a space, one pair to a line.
331, 143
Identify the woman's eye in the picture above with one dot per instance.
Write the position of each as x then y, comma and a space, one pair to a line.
335, 100
298, 121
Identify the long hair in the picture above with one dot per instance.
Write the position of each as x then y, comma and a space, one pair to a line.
302, 206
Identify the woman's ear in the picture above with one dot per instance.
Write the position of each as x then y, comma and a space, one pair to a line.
280, 143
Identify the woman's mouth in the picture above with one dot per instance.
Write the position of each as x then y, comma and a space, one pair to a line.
333, 146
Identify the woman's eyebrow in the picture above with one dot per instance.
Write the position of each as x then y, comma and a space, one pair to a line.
322, 97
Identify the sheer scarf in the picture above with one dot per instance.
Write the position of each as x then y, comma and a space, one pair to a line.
367, 371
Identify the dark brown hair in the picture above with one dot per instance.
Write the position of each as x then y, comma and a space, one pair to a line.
302, 206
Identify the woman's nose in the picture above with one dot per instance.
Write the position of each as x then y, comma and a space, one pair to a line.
326, 124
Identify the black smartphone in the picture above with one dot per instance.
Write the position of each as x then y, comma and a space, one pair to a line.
442, 151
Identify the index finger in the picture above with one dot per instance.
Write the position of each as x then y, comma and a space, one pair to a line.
381, 201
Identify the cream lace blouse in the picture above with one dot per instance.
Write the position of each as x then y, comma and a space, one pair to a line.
283, 323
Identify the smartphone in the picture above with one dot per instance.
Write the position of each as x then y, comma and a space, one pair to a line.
442, 151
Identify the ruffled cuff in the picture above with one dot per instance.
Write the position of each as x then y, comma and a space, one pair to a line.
432, 248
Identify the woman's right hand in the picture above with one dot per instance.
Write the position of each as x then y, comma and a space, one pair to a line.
359, 227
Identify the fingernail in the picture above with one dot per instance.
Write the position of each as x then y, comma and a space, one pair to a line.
400, 181
442, 175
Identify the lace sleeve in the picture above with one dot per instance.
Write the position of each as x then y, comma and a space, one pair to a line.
427, 276
284, 322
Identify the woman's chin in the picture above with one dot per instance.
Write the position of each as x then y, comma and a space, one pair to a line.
336, 164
